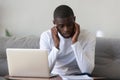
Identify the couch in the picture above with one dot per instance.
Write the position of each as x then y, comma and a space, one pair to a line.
107, 54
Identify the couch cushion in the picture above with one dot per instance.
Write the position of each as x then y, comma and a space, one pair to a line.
23, 42
3, 67
107, 58
3, 41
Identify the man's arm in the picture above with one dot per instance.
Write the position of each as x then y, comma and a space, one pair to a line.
85, 55
53, 53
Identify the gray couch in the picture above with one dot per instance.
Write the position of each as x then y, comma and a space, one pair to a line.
107, 55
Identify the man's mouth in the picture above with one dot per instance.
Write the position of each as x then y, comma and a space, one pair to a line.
66, 35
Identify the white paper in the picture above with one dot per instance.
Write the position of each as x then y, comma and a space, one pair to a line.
78, 77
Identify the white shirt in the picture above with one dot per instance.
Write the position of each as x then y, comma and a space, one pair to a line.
70, 58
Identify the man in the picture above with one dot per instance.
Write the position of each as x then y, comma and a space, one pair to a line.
71, 49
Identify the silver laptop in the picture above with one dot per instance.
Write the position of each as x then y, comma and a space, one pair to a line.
28, 63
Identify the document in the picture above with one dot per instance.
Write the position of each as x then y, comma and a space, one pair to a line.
77, 77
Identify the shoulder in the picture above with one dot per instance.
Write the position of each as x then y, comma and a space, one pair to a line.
85, 34
46, 34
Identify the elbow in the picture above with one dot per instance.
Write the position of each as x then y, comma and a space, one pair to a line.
92, 67
88, 69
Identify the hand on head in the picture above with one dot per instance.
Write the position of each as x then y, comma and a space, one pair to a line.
76, 33
55, 37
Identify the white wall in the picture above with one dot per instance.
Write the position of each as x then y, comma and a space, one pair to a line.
32, 17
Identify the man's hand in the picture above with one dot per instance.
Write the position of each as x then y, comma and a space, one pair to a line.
76, 34
55, 37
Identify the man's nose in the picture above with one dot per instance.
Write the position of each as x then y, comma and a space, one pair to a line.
65, 28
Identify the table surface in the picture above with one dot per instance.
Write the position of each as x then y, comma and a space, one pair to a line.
16, 78
54, 78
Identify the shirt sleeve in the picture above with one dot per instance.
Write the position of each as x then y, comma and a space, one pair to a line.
53, 53
85, 54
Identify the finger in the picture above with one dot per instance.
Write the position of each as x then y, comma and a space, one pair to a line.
54, 31
56, 28
77, 26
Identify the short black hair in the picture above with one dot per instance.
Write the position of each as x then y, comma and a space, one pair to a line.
63, 11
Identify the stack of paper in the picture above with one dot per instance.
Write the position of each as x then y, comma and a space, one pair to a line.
78, 77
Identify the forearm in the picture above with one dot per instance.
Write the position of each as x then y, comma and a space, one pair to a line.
52, 52
52, 57
84, 60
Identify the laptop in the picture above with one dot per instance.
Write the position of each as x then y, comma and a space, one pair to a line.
28, 63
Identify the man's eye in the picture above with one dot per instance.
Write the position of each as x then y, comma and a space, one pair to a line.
70, 24
61, 26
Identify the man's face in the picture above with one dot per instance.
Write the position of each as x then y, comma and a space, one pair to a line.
65, 26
